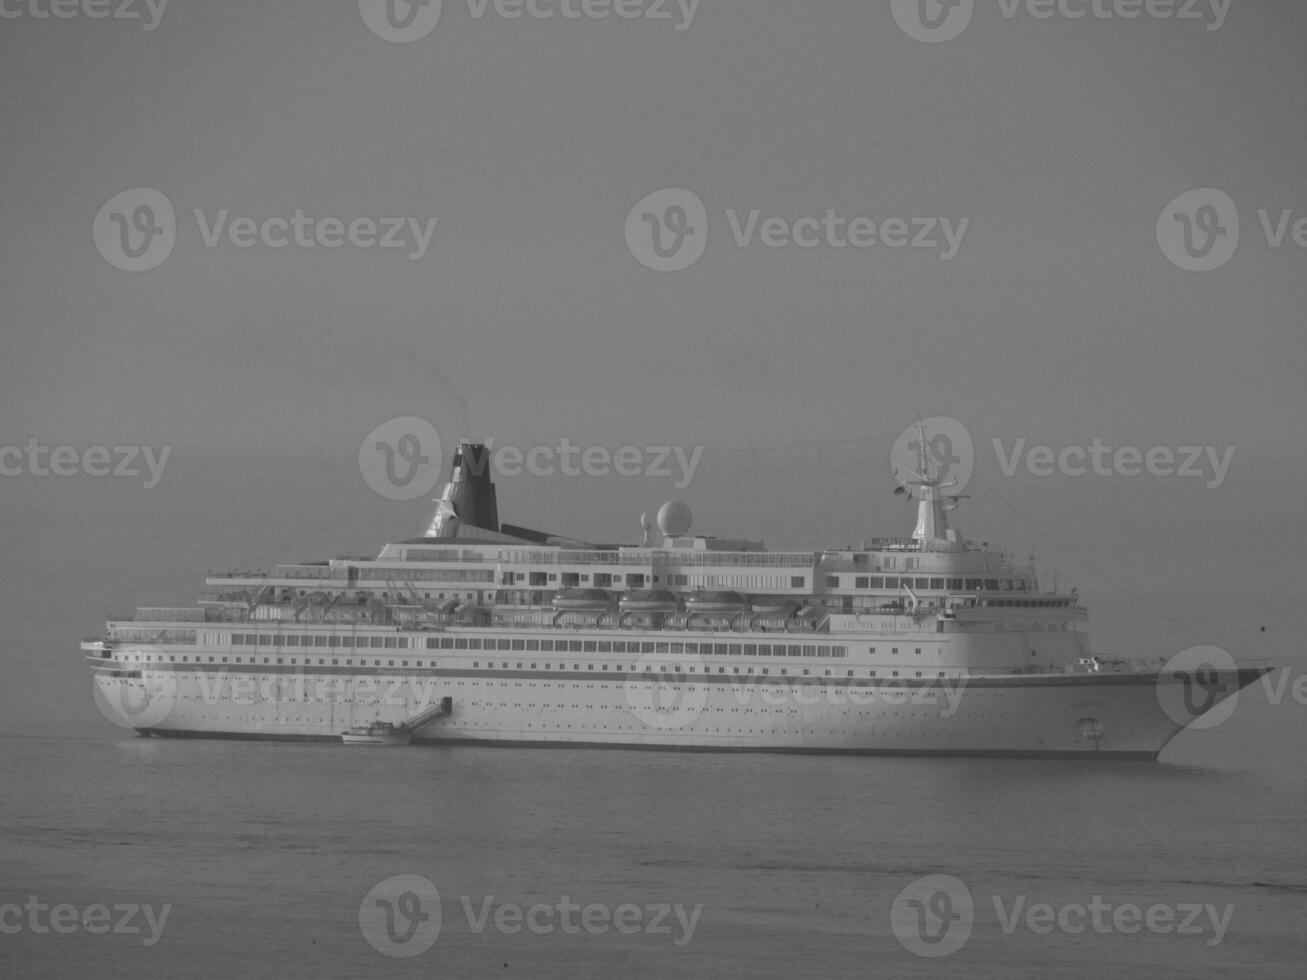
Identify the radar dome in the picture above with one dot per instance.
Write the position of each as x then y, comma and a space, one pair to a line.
674, 518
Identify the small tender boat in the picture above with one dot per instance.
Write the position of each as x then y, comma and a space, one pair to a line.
378, 733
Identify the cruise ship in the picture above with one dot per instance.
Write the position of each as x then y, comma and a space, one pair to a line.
482, 632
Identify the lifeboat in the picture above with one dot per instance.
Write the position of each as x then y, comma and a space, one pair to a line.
716, 602
773, 606
657, 600
572, 600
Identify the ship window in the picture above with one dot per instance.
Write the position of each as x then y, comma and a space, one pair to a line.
292, 640
589, 646
605, 647
677, 648
576, 646
265, 659
894, 651
619, 646
832, 581
460, 643
475, 663
533, 644
797, 581
937, 583
823, 651
806, 672
991, 584
918, 650
660, 648
333, 641
719, 649
645, 647
860, 582
321, 660
349, 663
432, 643
403, 642
405, 663
809, 650
751, 649
796, 650
391, 643
474, 643
736, 649
319, 641
896, 673
519, 644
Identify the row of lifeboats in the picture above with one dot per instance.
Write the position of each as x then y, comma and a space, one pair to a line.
665, 601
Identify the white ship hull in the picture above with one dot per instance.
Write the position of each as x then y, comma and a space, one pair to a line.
1091, 715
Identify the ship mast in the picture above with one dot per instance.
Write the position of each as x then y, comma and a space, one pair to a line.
932, 532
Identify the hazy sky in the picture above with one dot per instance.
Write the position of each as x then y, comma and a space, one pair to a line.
528, 319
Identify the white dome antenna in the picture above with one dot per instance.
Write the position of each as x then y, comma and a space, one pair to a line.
674, 519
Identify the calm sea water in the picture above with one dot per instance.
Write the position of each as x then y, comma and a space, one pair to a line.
264, 853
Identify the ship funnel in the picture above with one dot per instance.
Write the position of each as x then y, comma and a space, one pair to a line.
469, 496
